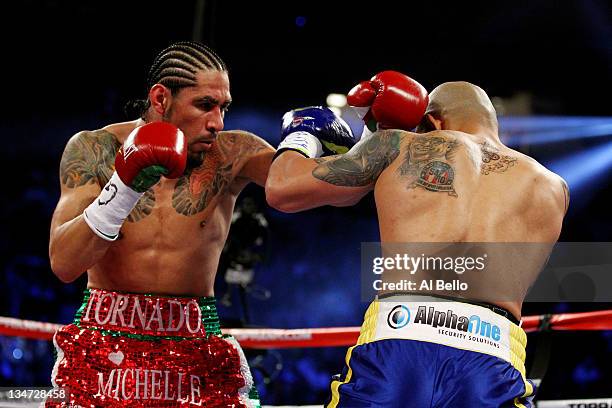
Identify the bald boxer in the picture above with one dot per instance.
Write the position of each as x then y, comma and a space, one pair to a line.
145, 209
451, 182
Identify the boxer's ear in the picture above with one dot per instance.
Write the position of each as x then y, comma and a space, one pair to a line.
437, 123
160, 98
428, 124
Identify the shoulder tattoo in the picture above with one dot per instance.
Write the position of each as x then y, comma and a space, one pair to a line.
363, 164
427, 163
493, 161
240, 145
89, 157
250, 144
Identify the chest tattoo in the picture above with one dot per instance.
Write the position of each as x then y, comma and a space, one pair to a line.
194, 191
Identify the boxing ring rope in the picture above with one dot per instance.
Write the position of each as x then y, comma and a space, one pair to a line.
325, 337
347, 336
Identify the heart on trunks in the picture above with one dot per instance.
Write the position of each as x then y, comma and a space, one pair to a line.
116, 357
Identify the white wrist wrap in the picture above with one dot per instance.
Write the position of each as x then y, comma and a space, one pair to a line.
107, 213
303, 142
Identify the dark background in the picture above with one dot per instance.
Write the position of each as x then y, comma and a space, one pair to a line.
68, 66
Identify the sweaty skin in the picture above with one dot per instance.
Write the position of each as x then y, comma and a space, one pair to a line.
438, 187
172, 240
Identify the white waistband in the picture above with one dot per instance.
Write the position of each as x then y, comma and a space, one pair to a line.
455, 324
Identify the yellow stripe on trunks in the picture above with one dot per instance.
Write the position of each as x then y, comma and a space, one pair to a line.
366, 335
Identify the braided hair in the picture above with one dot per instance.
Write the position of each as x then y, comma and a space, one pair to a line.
176, 67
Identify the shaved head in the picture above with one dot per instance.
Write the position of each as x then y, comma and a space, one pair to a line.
460, 102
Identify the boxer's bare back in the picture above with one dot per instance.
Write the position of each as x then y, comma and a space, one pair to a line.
452, 187
443, 186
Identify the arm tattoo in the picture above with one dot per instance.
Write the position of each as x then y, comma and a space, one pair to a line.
427, 163
493, 162
88, 158
363, 164
566, 194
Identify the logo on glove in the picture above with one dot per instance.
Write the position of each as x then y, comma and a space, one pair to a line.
129, 150
300, 119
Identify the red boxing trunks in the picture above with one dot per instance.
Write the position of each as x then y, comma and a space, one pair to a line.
142, 350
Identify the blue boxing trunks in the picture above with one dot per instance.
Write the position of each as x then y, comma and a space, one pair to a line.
423, 351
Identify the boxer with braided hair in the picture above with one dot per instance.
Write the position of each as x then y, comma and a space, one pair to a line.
175, 68
145, 209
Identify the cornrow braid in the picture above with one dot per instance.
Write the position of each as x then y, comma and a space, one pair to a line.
176, 67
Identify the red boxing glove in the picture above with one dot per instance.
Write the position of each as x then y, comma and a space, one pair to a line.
150, 151
390, 100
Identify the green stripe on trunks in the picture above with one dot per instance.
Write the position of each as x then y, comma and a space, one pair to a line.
254, 396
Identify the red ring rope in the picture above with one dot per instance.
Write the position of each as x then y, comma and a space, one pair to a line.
321, 337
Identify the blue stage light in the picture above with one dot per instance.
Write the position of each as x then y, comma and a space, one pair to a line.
529, 123
519, 131
580, 169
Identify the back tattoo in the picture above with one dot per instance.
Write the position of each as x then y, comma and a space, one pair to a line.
428, 164
493, 161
